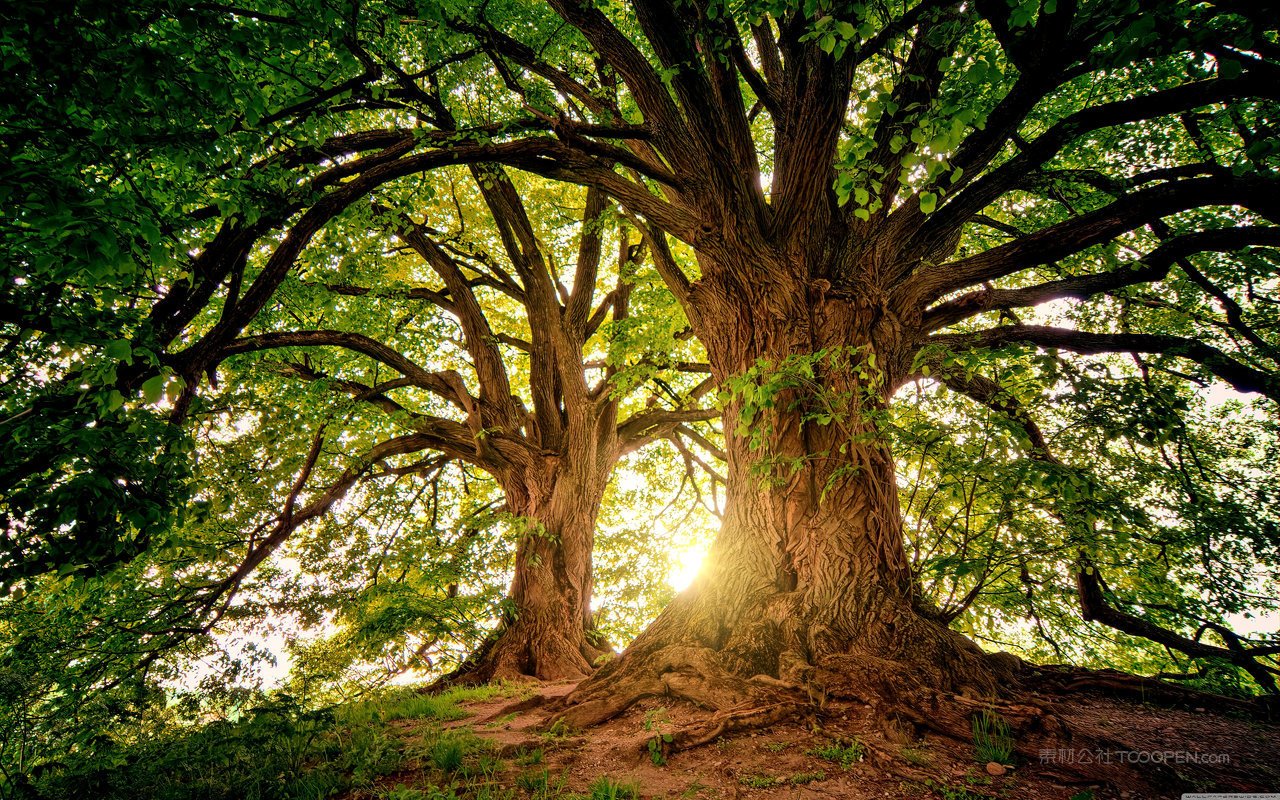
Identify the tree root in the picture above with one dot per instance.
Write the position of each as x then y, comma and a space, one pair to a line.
511, 653
900, 687
728, 722
1065, 679
684, 672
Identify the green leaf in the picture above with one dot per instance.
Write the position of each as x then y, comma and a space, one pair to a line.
153, 389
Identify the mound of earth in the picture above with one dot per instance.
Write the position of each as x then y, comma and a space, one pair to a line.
840, 750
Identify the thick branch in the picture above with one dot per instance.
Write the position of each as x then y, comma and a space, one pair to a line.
1241, 376
1086, 230
448, 385
1151, 268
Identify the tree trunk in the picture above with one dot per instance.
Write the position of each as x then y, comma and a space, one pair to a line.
808, 588
547, 632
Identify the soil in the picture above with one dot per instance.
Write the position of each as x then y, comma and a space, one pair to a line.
1152, 753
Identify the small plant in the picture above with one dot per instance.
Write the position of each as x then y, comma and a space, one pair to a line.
777, 747
992, 738
484, 765
760, 781
448, 752
558, 730
915, 756
655, 717
530, 757
658, 748
954, 792
534, 781
846, 754
801, 778
606, 788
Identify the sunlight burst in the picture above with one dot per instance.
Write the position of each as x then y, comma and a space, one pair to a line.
685, 565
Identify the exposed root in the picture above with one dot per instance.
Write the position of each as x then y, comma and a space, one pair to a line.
728, 722
687, 673
518, 652
1064, 679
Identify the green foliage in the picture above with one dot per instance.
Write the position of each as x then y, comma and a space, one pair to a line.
606, 788
850, 403
844, 753
275, 749
992, 738
657, 747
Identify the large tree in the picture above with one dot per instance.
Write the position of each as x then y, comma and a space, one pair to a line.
1108, 146
532, 391
844, 198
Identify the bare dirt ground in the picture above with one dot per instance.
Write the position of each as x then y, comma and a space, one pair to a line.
1149, 753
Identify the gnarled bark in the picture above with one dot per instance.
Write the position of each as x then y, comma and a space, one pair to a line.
807, 590
548, 631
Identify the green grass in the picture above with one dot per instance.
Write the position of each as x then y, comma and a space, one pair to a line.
409, 703
770, 781
606, 788
992, 738
449, 751
947, 792
844, 753
281, 750
760, 781
534, 781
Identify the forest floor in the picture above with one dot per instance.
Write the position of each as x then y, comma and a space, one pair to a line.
840, 751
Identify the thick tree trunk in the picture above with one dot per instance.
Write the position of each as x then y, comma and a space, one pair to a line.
547, 632
807, 590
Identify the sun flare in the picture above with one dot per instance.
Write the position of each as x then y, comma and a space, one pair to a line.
685, 565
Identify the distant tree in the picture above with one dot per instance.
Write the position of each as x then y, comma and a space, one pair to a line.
116, 325
527, 380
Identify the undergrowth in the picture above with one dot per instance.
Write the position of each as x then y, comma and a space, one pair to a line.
278, 750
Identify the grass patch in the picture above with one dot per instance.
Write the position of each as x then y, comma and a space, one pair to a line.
992, 738
281, 750
842, 752
760, 781
410, 703
948, 792
534, 781
606, 788
801, 778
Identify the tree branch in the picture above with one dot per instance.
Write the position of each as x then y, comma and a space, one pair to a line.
1240, 376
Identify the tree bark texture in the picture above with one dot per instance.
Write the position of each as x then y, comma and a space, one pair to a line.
546, 631
808, 588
